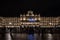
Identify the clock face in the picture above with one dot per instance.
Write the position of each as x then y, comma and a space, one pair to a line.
31, 20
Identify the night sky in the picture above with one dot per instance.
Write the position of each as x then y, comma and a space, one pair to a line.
44, 7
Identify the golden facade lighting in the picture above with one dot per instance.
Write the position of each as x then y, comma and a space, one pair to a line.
10, 23
24, 18
30, 19
21, 18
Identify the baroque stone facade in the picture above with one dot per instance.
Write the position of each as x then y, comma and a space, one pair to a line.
29, 20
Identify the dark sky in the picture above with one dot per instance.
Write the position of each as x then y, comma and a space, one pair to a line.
44, 7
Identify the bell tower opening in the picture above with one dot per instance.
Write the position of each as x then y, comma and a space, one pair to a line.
30, 13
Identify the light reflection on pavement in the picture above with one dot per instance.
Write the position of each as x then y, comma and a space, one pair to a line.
24, 36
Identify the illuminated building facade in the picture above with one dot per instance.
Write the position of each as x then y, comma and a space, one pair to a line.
30, 20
